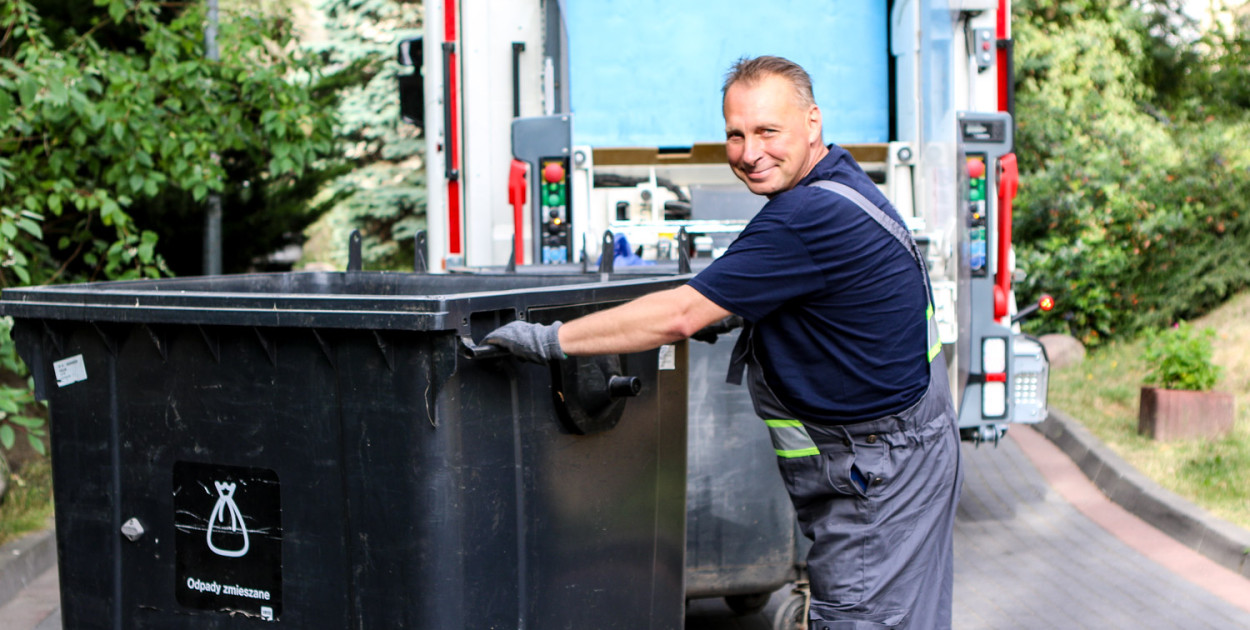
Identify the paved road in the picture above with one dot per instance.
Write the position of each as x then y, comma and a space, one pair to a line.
1026, 558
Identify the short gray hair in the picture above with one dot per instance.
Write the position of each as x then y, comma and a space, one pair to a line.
753, 70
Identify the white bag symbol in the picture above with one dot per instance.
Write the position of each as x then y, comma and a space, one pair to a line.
225, 503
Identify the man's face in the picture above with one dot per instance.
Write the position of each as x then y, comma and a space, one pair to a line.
771, 139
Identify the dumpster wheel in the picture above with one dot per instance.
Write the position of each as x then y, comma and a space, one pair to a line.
787, 607
748, 604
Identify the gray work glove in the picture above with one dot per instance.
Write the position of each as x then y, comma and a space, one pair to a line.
709, 333
536, 343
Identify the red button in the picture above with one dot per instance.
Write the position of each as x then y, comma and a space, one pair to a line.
976, 169
553, 173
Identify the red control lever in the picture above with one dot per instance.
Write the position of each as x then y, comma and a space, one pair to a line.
518, 190
1008, 184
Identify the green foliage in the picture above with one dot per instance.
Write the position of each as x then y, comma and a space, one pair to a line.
384, 195
19, 412
1180, 358
1130, 216
275, 149
1214, 474
1195, 73
95, 136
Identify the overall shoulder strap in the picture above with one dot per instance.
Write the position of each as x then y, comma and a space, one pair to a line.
896, 229
900, 234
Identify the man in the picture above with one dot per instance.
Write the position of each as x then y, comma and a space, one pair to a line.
842, 355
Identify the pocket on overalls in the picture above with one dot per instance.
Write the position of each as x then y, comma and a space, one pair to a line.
840, 472
863, 468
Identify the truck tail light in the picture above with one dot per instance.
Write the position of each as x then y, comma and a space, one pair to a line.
994, 366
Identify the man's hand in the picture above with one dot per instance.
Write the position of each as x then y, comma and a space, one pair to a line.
536, 343
708, 334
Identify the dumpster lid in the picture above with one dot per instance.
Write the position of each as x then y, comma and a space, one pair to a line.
355, 299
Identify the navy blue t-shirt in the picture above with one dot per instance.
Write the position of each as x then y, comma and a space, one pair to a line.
838, 304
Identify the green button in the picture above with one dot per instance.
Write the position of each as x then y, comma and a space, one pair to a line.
553, 199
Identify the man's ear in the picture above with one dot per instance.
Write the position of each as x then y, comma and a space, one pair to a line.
814, 125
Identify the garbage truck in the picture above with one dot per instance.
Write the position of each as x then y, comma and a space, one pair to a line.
550, 123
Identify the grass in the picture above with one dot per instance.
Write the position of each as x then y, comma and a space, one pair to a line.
27, 506
1103, 392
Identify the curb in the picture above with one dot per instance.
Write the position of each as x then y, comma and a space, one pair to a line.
23, 560
1217, 539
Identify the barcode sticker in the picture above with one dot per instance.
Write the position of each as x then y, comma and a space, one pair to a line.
70, 371
668, 358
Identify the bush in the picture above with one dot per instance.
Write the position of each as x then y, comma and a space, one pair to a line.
114, 128
1180, 358
19, 411
1132, 215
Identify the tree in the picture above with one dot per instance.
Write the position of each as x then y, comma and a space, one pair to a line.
1193, 72
384, 194
98, 135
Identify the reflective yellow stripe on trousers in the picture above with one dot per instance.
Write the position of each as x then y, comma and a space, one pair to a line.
790, 439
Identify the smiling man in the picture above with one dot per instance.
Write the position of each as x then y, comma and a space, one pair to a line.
772, 129
840, 351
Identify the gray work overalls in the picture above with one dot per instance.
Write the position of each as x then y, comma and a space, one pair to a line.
876, 497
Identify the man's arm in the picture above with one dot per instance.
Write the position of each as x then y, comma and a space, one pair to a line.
645, 323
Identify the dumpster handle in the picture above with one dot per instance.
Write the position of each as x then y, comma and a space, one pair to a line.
484, 351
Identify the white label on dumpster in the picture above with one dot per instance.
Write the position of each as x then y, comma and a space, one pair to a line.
228, 539
668, 358
70, 371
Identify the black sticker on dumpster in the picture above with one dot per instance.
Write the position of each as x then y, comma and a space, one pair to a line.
228, 539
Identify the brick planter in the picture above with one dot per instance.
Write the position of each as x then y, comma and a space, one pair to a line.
1173, 414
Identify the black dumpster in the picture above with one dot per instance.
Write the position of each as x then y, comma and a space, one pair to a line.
323, 450
742, 539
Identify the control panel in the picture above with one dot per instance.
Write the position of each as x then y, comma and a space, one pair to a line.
978, 222
985, 344
545, 144
553, 200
